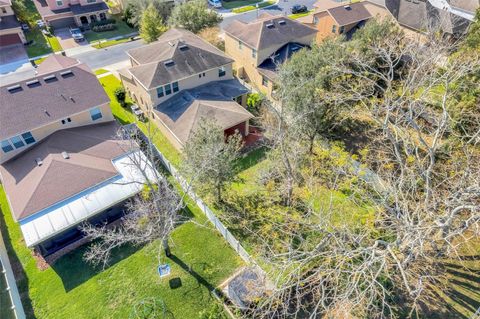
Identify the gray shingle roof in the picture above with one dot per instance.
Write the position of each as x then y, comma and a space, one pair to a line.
9, 22
79, 9
349, 13
190, 55
467, 5
267, 31
33, 106
182, 113
91, 148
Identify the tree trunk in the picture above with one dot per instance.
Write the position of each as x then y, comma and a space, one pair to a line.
166, 247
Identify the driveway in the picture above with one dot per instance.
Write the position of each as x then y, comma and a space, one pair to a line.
66, 41
281, 8
12, 58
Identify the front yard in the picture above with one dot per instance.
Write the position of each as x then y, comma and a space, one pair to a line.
238, 3
73, 289
42, 44
122, 30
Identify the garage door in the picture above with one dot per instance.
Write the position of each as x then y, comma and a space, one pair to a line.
9, 39
62, 23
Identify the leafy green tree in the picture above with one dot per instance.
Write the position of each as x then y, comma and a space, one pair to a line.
120, 95
20, 8
194, 16
135, 9
472, 40
151, 25
209, 159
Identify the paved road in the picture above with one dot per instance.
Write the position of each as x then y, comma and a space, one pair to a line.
283, 7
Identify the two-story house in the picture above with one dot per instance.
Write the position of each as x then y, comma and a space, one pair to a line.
10, 28
261, 46
60, 161
341, 19
66, 13
180, 79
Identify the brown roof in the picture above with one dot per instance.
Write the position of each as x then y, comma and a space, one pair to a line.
268, 31
327, 4
189, 53
5, 3
350, 13
37, 104
467, 5
31, 188
55, 63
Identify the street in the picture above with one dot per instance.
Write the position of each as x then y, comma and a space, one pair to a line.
283, 7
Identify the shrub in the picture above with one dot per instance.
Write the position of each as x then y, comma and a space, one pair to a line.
102, 22
105, 27
120, 95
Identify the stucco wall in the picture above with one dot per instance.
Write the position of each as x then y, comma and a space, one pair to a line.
79, 119
8, 9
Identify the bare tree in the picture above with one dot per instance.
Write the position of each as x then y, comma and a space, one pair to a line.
429, 202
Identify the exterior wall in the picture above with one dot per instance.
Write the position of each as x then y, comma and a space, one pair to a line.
88, 16
52, 4
8, 9
79, 119
13, 31
137, 92
166, 132
324, 26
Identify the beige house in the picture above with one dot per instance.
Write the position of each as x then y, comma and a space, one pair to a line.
180, 79
260, 46
66, 13
10, 28
61, 160
333, 19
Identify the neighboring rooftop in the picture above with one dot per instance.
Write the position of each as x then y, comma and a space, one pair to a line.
9, 22
41, 100
45, 11
82, 9
349, 13
177, 54
90, 149
269, 67
466, 5
268, 31
4, 3
182, 113
55, 62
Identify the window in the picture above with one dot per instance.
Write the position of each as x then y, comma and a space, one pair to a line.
334, 29
4, 10
67, 120
28, 138
91, 1
175, 87
160, 91
6, 147
341, 30
264, 81
59, 3
95, 114
315, 20
221, 72
17, 142
168, 89
254, 53
240, 44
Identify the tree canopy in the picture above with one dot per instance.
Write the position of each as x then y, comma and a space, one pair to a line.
194, 16
151, 24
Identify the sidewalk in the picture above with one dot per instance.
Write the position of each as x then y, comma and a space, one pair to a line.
226, 13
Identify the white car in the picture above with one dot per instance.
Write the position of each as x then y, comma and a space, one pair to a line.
40, 23
215, 3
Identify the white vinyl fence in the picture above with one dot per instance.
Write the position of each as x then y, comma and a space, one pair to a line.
234, 243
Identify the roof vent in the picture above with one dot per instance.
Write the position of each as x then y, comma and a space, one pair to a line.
14, 88
183, 47
66, 73
270, 25
169, 63
33, 83
65, 155
50, 78
170, 43
282, 22
347, 7
39, 161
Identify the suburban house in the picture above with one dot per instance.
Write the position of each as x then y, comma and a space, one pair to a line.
450, 16
65, 13
340, 19
260, 46
10, 29
180, 79
60, 161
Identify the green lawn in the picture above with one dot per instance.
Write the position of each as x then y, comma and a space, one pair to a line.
110, 43
121, 30
41, 44
100, 71
300, 15
73, 289
238, 3
251, 7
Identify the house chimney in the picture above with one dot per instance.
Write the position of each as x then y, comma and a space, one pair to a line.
39, 161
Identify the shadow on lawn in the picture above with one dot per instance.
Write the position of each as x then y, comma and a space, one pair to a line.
74, 271
18, 271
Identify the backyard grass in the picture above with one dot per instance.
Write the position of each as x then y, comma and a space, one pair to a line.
100, 71
251, 7
40, 45
121, 30
300, 15
238, 3
109, 43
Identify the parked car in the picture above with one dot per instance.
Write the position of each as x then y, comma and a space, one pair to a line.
77, 35
40, 23
299, 9
215, 3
